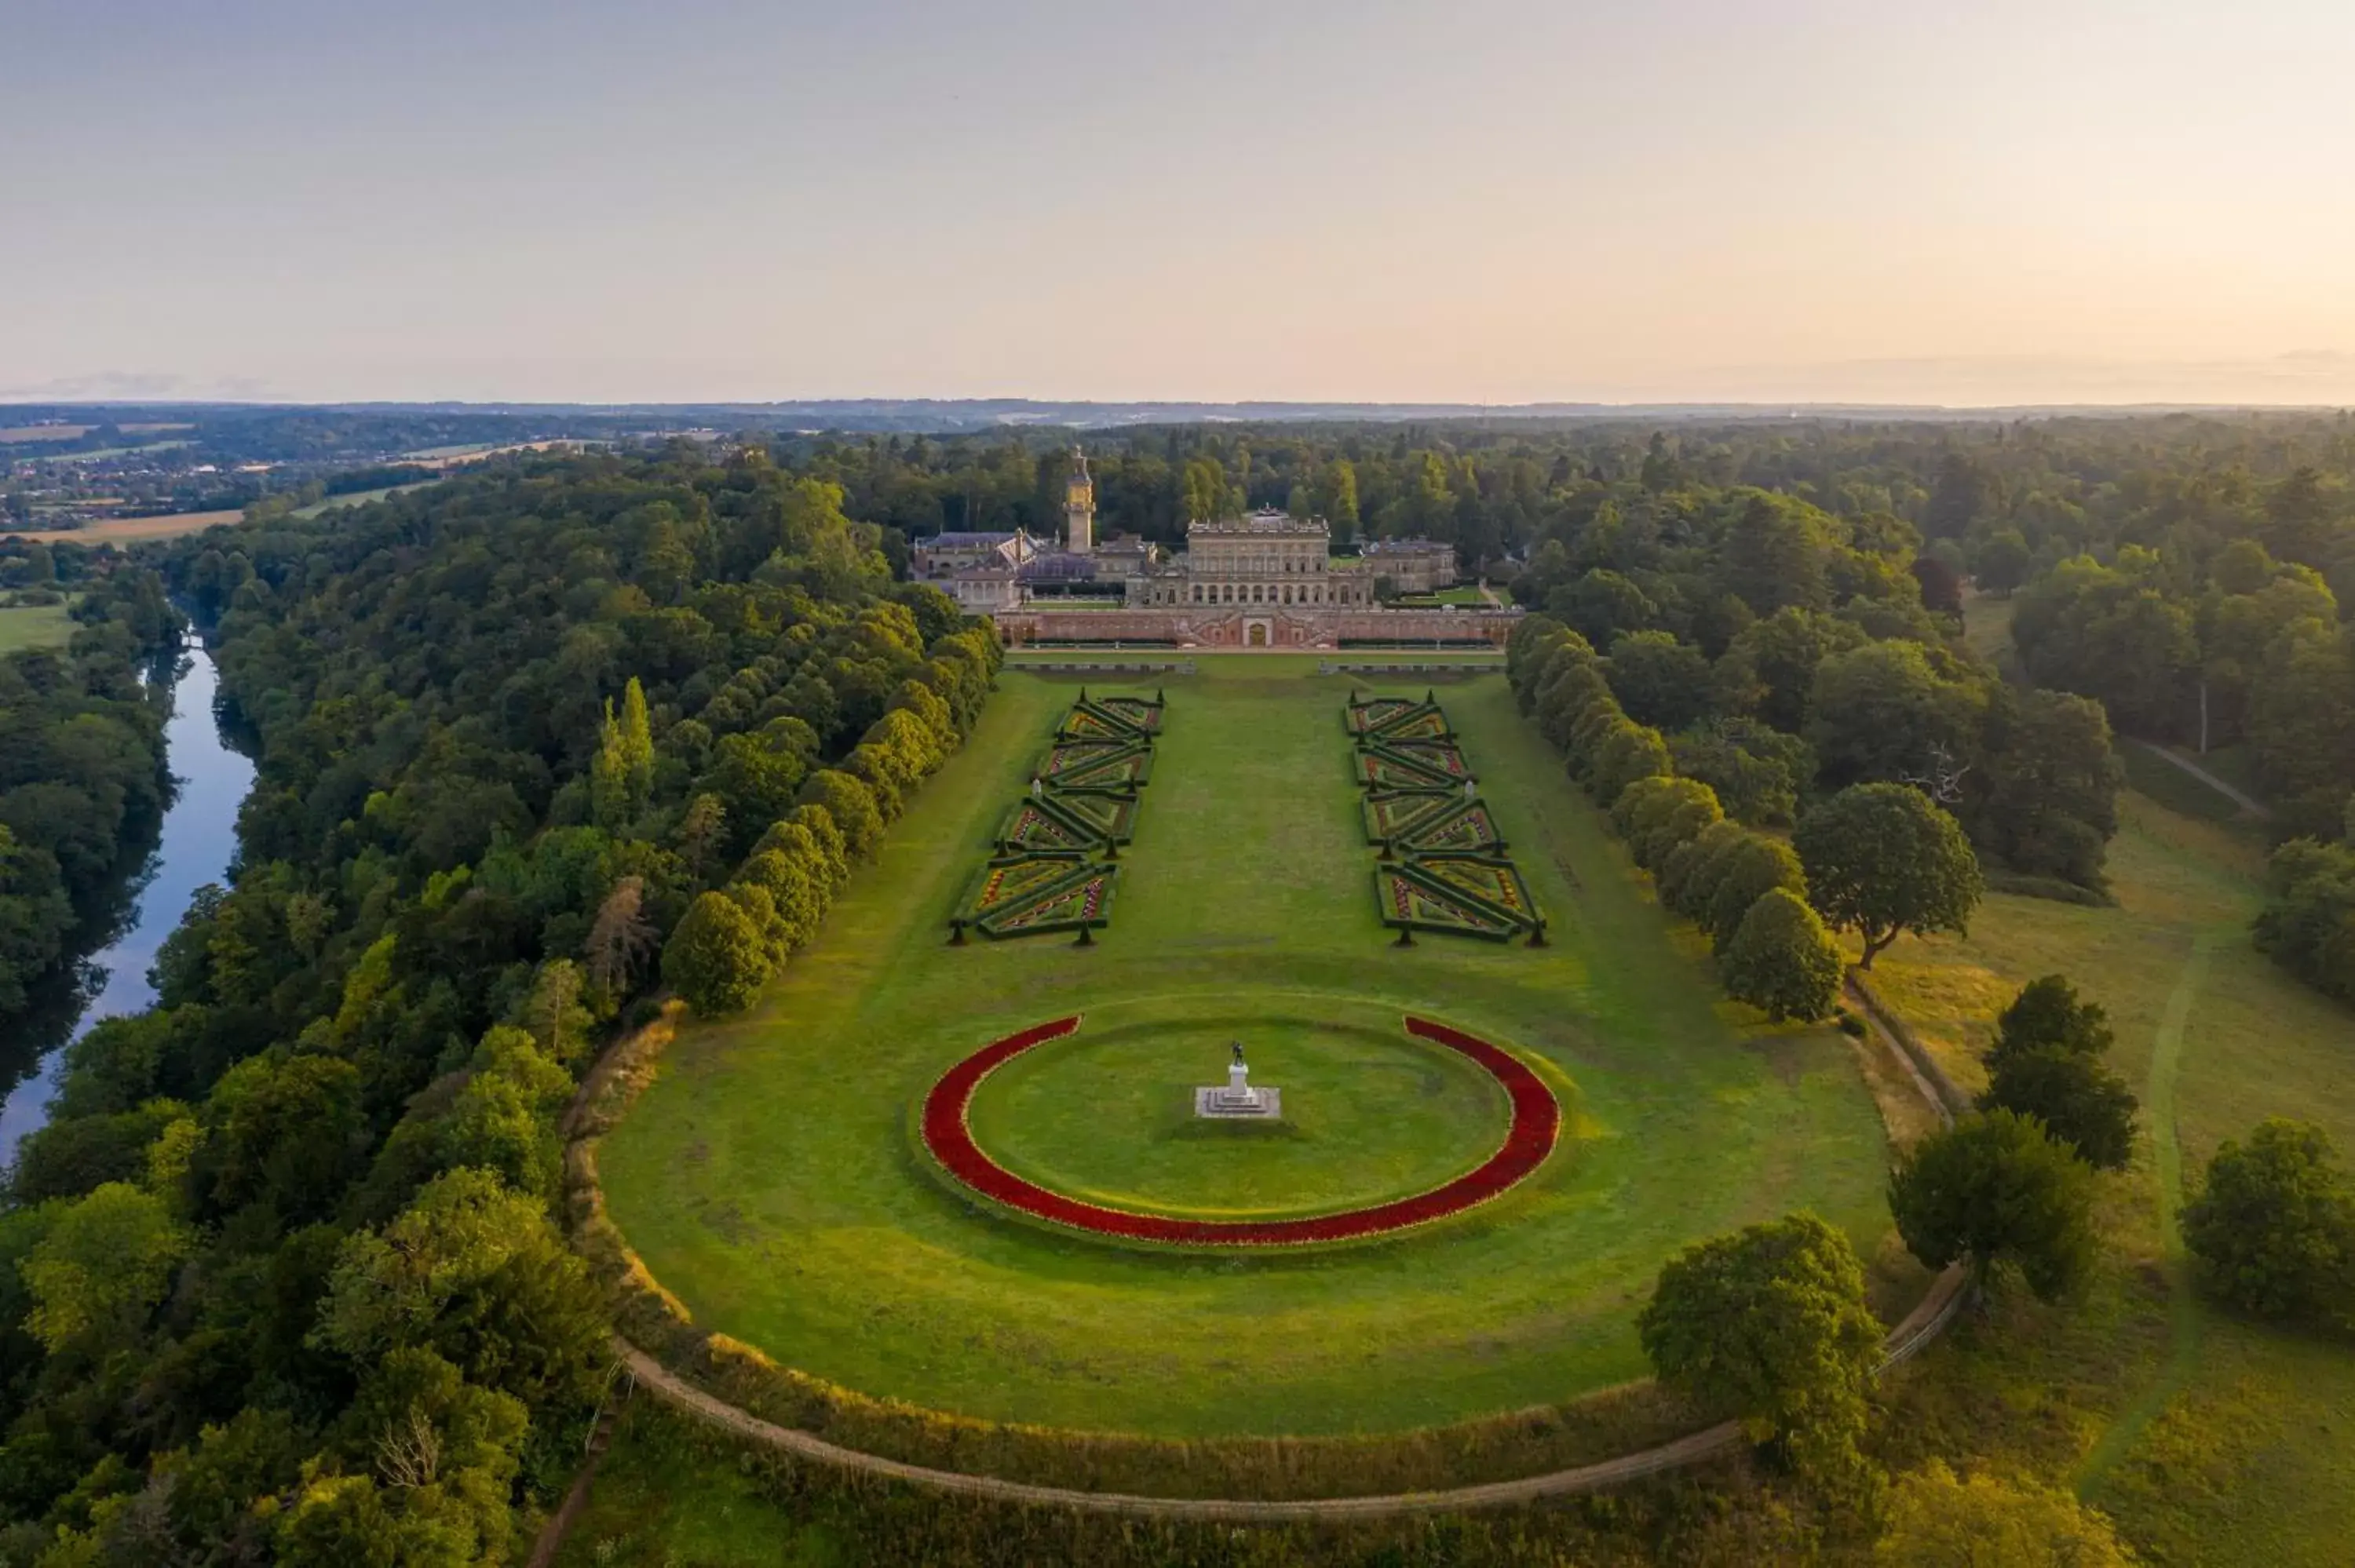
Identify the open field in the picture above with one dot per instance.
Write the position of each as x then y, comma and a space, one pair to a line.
15, 435
34, 626
104, 453
357, 498
131, 530
772, 1180
476, 452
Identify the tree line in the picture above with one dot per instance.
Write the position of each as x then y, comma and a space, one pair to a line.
280, 1280
83, 778
1803, 661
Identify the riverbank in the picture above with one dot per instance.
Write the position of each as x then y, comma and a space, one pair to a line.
197, 840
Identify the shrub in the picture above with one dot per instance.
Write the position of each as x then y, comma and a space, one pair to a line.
1939, 1520
1782, 959
1997, 1188
2273, 1228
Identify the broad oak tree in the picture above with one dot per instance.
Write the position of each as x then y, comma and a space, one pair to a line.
1882, 859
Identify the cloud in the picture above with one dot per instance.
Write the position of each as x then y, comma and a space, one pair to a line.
139, 386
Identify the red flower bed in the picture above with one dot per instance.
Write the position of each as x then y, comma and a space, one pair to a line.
1537, 1123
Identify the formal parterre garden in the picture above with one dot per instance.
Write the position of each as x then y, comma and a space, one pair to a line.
967, 1180
1444, 866
1051, 867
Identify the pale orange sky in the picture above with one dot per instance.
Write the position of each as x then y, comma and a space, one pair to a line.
1483, 202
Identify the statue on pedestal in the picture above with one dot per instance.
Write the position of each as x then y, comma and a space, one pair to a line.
1236, 1097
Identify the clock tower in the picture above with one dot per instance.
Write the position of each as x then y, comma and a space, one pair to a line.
1080, 508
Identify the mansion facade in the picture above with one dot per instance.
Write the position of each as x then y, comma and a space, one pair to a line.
1266, 579
1263, 558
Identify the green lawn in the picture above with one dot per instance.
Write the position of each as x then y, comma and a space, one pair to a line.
770, 1176
34, 626
1370, 1114
673, 1494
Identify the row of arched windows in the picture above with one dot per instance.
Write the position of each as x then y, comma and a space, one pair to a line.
1262, 593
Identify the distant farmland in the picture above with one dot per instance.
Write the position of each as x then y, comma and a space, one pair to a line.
457, 455
129, 530
357, 498
16, 435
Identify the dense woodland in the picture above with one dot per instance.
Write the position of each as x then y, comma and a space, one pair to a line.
280, 1278
82, 778
280, 1281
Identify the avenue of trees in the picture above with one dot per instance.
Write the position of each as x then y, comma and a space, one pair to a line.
1877, 858
82, 780
1778, 599
280, 1279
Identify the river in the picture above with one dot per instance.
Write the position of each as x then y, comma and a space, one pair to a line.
197, 838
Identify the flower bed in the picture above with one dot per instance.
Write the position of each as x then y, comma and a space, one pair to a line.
1045, 875
1444, 866
1535, 1129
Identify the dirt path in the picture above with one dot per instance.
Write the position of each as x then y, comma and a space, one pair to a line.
2248, 802
2183, 1310
1923, 1324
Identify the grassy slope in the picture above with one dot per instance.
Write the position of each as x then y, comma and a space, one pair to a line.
128, 530
2212, 1440
770, 1178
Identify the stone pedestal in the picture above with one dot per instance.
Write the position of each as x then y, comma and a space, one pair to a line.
1237, 1099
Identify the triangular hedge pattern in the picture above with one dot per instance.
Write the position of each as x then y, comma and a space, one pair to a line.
1056, 851
1443, 862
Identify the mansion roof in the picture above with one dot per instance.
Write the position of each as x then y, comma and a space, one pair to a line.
1267, 521
964, 541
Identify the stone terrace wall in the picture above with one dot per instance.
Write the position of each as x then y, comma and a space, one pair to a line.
1265, 626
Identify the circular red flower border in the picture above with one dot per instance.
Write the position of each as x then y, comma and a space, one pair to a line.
1537, 1124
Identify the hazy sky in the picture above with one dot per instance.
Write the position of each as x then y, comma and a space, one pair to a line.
1476, 200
